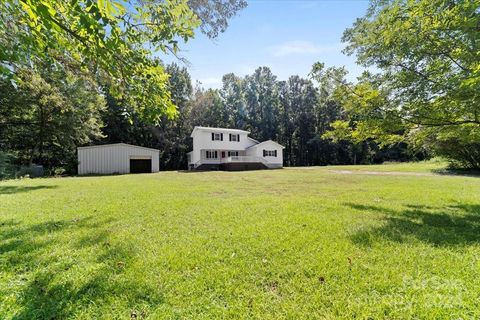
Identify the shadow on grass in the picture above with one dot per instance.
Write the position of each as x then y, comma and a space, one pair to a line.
454, 225
20, 189
458, 172
58, 277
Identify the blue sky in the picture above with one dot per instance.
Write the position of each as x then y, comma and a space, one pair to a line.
286, 35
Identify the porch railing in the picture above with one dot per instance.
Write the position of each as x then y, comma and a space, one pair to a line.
236, 159
232, 159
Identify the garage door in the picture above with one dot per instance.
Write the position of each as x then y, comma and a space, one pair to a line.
140, 165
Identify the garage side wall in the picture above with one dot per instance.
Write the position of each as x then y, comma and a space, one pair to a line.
112, 159
155, 161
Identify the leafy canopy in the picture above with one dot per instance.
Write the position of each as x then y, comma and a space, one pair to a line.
426, 58
115, 39
48, 114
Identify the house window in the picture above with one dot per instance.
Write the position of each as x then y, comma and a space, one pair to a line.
217, 136
233, 153
269, 153
235, 137
211, 154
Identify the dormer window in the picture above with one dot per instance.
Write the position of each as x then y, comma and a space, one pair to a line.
235, 137
217, 136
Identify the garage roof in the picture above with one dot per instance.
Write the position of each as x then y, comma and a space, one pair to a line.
118, 144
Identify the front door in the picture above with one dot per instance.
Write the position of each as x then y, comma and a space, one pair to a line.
223, 154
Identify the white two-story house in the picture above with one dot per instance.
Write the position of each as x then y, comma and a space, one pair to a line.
232, 149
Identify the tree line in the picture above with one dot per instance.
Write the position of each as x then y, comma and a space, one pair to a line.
63, 114
60, 61
81, 72
296, 113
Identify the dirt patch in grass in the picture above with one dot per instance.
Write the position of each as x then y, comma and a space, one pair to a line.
383, 173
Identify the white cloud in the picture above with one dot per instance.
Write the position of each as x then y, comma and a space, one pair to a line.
301, 47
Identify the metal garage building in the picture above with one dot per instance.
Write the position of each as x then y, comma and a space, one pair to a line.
117, 158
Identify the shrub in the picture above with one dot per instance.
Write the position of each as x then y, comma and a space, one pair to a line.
7, 169
460, 154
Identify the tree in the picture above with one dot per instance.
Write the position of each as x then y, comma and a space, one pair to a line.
6, 169
48, 114
215, 14
105, 36
261, 97
234, 100
173, 137
207, 109
428, 83
298, 100
328, 108
304, 111
110, 47
340, 122
115, 41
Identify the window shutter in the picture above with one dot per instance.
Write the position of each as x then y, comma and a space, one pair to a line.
264, 152
275, 152
213, 136
229, 137
221, 136
238, 138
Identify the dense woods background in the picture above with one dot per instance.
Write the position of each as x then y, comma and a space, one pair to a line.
74, 73
63, 115
294, 112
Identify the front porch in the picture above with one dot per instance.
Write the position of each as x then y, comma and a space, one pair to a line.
230, 160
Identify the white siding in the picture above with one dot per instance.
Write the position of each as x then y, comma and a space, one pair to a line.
257, 151
113, 158
202, 140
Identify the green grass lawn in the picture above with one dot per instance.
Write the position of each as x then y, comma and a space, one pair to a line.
325, 242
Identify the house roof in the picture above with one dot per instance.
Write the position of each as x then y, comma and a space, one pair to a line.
117, 144
256, 141
218, 130
265, 142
